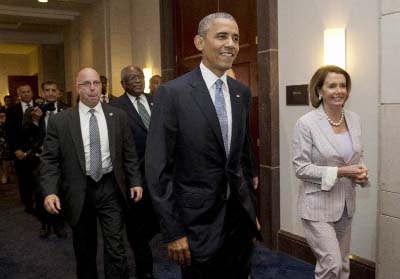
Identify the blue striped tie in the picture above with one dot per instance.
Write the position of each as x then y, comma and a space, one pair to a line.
221, 113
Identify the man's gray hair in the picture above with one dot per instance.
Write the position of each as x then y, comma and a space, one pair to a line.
205, 23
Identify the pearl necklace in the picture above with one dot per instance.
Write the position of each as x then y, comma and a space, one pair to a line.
336, 124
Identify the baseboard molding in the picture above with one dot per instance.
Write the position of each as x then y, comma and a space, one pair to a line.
297, 246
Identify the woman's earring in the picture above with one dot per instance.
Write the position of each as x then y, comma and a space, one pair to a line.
319, 97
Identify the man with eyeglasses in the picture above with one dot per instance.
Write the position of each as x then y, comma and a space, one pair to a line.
141, 221
90, 150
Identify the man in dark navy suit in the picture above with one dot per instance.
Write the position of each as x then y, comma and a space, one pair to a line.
141, 221
199, 165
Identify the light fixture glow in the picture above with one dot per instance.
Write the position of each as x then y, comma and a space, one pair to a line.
148, 73
43, 1
335, 47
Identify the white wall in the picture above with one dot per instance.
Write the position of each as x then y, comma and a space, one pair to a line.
389, 180
146, 35
301, 25
12, 64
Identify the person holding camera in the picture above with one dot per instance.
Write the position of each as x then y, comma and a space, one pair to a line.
35, 126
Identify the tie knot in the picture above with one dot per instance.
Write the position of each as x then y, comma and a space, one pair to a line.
92, 111
218, 84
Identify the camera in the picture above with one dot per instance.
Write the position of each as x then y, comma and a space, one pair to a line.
45, 107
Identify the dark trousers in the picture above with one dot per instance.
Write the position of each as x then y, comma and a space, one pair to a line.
26, 180
141, 226
103, 202
232, 259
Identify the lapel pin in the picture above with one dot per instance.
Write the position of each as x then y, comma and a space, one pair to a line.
237, 95
151, 104
110, 114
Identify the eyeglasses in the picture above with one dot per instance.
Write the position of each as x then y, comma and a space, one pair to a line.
88, 83
133, 78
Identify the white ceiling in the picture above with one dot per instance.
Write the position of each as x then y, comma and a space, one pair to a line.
32, 16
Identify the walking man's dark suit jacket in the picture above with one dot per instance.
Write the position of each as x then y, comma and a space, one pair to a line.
142, 223
187, 169
63, 158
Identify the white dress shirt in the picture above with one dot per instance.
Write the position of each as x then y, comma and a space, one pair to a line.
210, 78
46, 117
84, 116
25, 106
143, 100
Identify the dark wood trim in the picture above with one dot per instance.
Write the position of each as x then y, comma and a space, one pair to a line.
167, 39
268, 111
297, 247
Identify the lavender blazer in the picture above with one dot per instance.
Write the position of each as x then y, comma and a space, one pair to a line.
315, 150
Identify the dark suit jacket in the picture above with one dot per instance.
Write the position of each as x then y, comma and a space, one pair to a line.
13, 127
139, 131
186, 166
63, 158
145, 219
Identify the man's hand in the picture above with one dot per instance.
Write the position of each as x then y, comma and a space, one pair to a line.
178, 251
52, 204
136, 193
255, 182
20, 155
36, 114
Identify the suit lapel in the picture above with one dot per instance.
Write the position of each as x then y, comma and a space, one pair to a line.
76, 134
203, 99
236, 104
132, 112
110, 119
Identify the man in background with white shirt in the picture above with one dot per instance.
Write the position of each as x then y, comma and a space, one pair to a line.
21, 147
34, 126
141, 221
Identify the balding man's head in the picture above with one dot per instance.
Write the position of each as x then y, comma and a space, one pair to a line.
88, 86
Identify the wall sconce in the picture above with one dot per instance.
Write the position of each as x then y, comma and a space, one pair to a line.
43, 1
335, 47
148, 73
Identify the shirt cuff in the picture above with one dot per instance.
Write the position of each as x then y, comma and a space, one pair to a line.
329, 180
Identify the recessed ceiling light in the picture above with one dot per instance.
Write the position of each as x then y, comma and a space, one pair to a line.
43, 1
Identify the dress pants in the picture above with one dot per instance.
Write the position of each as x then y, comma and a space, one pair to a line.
232, 259
103, 201
330, 243
26, 180
141, 226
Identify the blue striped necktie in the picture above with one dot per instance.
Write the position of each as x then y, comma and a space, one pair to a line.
221, 113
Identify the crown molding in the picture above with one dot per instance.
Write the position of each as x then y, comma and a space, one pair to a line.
37, 13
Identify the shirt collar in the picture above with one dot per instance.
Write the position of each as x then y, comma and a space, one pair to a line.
84, 109
209, 77
141, 96
26, 104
